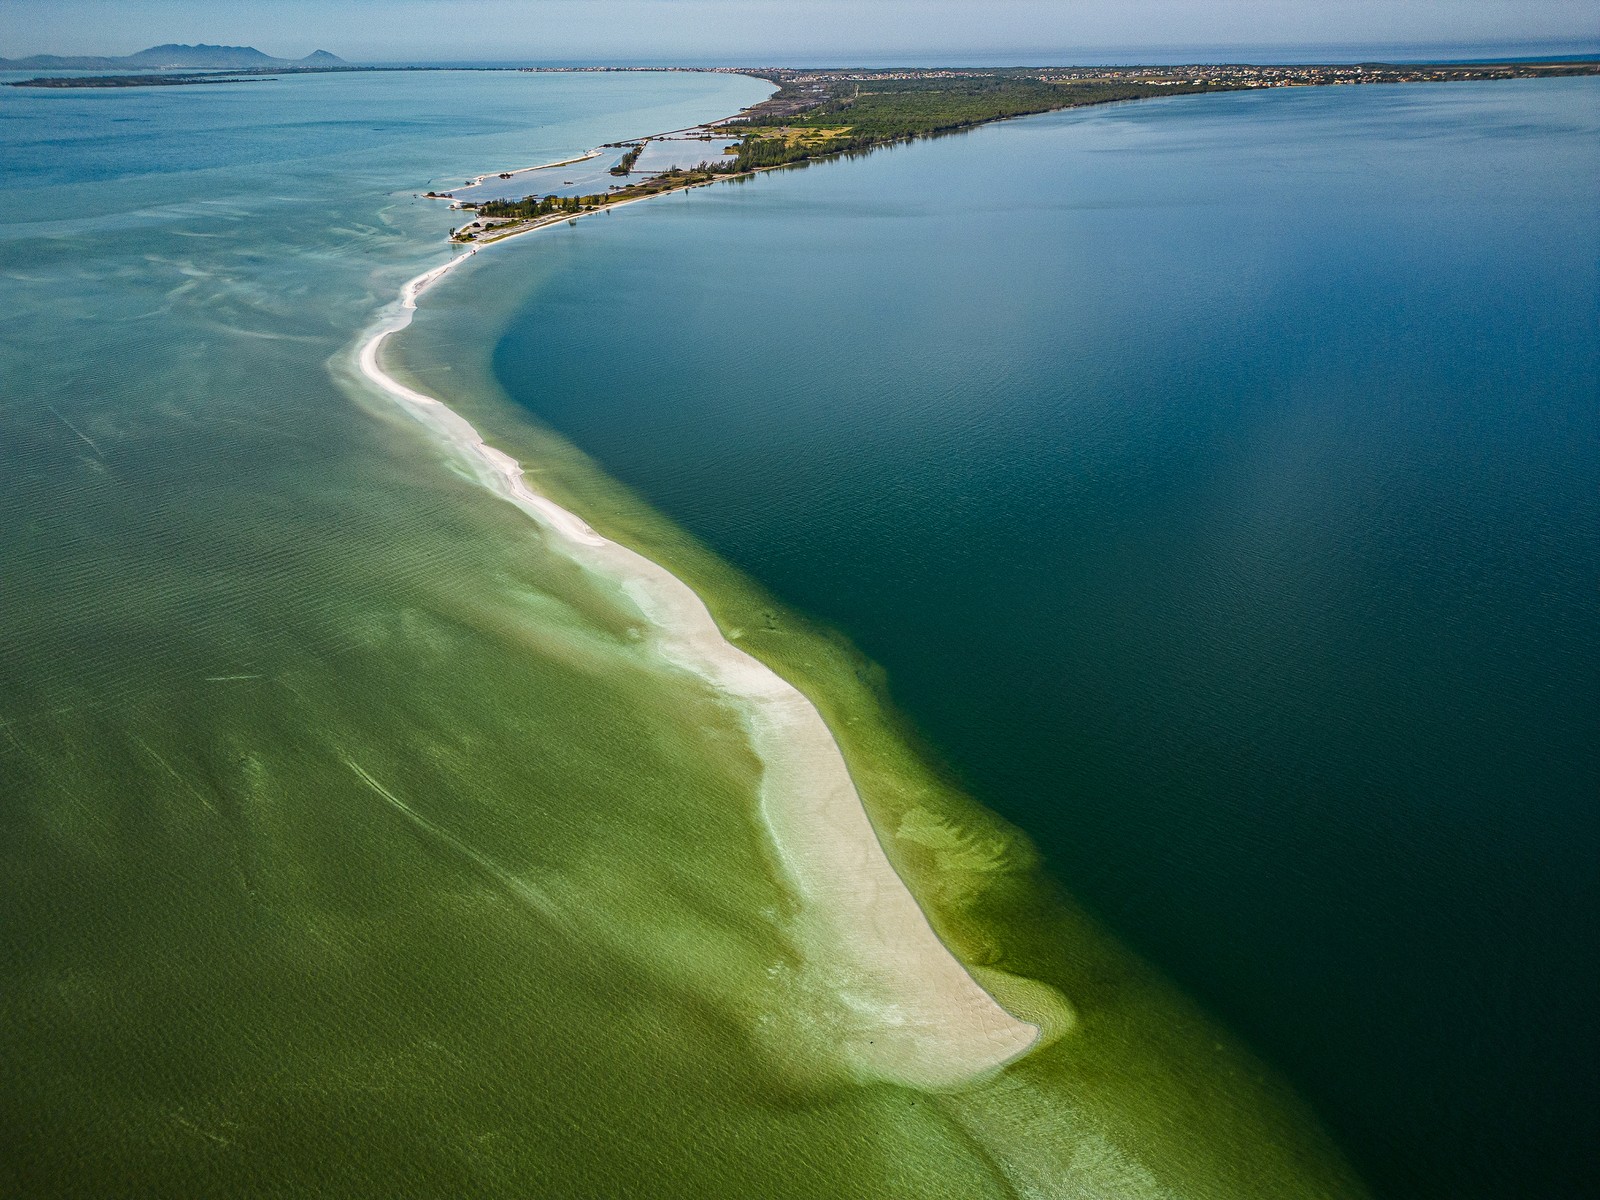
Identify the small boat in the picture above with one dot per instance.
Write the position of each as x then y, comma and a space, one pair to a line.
566, 183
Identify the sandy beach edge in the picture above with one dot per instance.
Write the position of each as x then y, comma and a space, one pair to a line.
560, 162
913, 1013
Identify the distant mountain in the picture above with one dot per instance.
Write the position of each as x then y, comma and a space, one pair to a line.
199, 57
174, 57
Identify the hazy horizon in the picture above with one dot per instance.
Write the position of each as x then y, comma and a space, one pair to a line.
888, 32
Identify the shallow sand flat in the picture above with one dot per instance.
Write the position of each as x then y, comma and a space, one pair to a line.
908, 1011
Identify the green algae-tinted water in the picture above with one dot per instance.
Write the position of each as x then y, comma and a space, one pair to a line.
352, 843
1217, 481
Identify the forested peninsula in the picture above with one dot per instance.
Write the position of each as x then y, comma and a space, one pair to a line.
822, 114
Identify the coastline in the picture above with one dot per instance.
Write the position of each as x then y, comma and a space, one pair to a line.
1118, 1064
456, 804
560, 162
922, 951
914, 1013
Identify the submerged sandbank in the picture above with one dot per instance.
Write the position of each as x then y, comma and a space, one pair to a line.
913, 1014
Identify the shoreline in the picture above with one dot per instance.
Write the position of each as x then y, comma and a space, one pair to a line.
917, 1014
913, 1013
564, 162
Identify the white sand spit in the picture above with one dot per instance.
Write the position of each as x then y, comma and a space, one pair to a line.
912, 1013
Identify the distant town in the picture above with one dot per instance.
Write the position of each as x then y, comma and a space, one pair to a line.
1239, 75
176, 65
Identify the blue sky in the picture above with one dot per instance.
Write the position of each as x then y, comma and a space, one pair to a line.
788, 30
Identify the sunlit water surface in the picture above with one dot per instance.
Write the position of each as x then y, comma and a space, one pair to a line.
1218, 481
353, 843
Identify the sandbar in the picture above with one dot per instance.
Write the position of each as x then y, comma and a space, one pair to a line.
913, 1013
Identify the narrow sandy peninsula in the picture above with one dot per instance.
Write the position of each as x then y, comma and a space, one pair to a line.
914, 1013
905, 1008
560, 162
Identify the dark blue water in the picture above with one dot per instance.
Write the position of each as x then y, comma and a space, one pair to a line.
1218, 480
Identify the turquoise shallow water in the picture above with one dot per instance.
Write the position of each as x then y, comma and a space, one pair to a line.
180, 264
1218, 482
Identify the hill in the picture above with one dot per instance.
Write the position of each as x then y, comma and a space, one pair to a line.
172, 57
